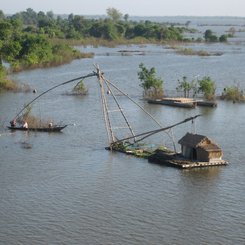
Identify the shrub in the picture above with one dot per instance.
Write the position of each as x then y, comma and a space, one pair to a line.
233, 93
207, 87
153, 86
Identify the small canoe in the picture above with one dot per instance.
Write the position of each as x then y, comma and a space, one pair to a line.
43, 129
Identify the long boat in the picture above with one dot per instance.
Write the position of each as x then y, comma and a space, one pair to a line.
178, 102
39, 129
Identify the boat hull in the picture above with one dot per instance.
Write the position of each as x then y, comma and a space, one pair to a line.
51, 129
177, 160
175, 103
207, 103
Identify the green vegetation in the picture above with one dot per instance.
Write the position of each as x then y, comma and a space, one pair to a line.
210, 37
207, 87
30, 39
28, 50
6, 84
113, 27
233, 93
137, 149
186, 87
190, 51
80, 89
153, 86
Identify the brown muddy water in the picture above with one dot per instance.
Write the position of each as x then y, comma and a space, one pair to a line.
66, 188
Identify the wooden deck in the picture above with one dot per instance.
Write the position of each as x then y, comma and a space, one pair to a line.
183, 102
177, 102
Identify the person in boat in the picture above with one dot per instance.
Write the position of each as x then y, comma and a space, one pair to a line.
50, 125
25, 125
13, 123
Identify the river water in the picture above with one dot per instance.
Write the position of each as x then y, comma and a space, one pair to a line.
66, 188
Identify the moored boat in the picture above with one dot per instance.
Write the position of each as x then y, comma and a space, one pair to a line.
177, 102
206, 103
39, 129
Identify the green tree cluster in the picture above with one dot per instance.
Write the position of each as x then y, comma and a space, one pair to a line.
233, 93
210, 37
153, 86
113, 27
186, 87
205, 86
24, 49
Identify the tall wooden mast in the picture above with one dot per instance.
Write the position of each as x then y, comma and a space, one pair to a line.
105, 85
110, 134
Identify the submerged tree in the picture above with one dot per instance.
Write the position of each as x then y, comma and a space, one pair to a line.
234, 93
207, 87
186, 87
80, 88
153, 86
209, 36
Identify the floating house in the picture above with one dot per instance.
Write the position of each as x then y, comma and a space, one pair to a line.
196, 151
200, 148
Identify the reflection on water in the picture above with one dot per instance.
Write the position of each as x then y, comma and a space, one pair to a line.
66, 189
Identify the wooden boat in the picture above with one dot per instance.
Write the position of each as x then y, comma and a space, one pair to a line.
177, 102
206, 103
41, 129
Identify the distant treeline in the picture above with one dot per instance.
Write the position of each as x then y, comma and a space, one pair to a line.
113, 27
29, 39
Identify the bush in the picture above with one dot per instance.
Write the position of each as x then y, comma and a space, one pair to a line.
6, 84
233, 93
186, 87
153, 86
207, 87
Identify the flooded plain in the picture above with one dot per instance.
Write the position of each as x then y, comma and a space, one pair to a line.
66, 188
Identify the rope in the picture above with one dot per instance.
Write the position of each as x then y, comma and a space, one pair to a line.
56, 86
152, 132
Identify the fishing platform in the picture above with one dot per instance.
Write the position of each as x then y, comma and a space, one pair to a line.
196, 150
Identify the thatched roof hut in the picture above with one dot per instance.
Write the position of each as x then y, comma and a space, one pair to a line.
200, 148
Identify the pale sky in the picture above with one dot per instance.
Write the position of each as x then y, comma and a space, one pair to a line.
131, 7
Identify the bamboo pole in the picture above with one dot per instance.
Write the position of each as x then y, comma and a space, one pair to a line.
56, 86
137, 104
111, 137
120, 109
152, 132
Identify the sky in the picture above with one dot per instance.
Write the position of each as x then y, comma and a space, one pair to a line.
130, 7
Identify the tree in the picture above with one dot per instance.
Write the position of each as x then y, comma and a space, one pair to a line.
80, 88
153, 86
233, 93
232, 31
207, 87
114, 14
186, 87
126, 17
2, 16
223, 38
210, 37
187, 23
